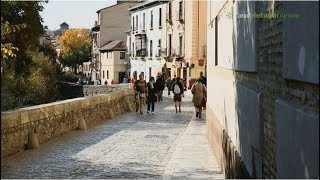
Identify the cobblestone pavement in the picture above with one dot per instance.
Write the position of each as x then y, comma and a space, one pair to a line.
158, 146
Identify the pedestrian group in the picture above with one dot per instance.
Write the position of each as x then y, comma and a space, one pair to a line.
151, 92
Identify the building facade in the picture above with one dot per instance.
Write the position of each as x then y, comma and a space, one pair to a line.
144, 40
195, 39
111, 24
178, 40
114, 62
263, 78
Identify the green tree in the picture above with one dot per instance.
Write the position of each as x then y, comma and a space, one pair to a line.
7, 48
75, 47
28, 76
26, 13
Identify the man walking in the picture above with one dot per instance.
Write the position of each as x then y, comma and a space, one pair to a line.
140, 88
160, 84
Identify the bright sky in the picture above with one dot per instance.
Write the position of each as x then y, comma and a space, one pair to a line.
78, 14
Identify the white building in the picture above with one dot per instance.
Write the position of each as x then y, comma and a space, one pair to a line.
144, 40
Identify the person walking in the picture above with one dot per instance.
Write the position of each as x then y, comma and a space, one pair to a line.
151, 95
203, 79
160, 84
140, 88
204, 82
169, 85
125, 80
177, 89
199, 92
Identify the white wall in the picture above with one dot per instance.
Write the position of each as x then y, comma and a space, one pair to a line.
155, 35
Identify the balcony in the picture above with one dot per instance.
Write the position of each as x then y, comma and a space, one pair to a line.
141, 53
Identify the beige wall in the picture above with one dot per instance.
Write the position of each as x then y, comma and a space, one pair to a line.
113, 64
114, 21
195, 13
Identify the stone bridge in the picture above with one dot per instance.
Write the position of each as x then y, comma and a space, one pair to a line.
100, 137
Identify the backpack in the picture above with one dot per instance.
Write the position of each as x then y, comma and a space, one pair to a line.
176, 89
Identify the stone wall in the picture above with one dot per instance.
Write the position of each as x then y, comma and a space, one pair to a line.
280, 94
272, 83
89, 90
48, 121
69, 90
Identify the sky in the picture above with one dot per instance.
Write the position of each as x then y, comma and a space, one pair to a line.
78, 14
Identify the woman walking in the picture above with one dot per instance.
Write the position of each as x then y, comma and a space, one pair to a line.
177, 89
199, 92
151, 95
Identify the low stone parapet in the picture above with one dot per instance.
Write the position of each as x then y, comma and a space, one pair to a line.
89, 90
48, 121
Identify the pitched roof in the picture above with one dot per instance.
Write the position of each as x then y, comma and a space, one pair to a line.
114, 45
64, 23
147, 4
120, 2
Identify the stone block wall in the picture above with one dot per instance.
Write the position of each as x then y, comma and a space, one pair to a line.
89, 90
286, 80
54, 119
270, 81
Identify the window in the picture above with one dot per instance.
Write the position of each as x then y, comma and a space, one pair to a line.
133, 23
107, 74
137, 22
141, 45
144, 21
180, 10
150, 70
170, 10
160, 17
170, 43
133, 49
122, 55
180, 45
103, 74
111, 55
159, 47
129, 49
151, 23
151, 48
107, 55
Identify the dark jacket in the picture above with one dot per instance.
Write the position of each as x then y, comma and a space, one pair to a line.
152, 92
160, 84
204, 80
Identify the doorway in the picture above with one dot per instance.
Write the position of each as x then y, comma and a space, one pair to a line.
121, 76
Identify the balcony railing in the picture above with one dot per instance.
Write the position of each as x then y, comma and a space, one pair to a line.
141, 53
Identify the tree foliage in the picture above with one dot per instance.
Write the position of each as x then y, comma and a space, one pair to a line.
28, 76
25, 14
7, 49
75, 47
37, 88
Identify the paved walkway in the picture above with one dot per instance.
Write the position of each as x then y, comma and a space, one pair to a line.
165, 145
